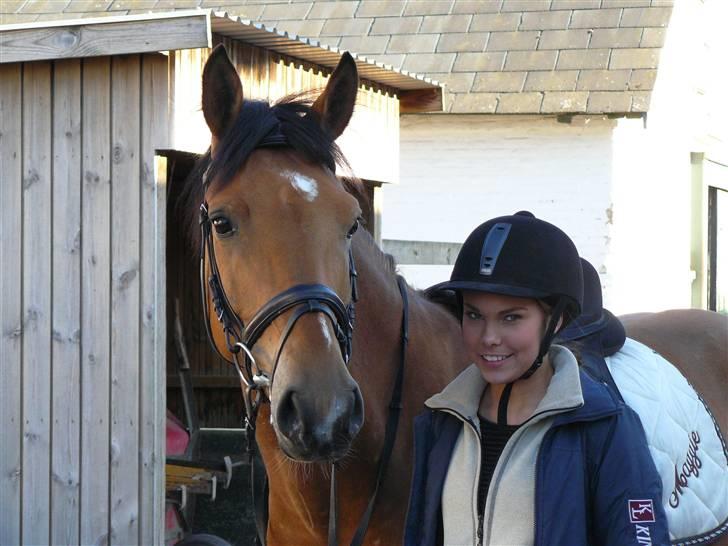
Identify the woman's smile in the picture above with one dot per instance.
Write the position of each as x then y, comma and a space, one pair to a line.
495, 360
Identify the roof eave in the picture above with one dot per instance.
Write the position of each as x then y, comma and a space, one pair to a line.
77, 38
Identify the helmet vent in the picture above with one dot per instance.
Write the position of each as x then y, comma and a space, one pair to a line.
492, 247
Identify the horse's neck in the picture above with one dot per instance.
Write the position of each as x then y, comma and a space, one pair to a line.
434, 353
377, 333
375, 359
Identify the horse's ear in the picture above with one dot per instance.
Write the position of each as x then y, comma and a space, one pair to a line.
336, 104
222, 93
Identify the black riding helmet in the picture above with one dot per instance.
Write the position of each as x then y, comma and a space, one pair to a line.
594, 320
522, 256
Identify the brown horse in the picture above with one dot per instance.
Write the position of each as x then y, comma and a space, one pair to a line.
280, 218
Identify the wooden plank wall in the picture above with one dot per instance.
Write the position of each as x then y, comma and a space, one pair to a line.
82, 316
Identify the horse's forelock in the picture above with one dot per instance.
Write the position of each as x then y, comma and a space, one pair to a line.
293, 117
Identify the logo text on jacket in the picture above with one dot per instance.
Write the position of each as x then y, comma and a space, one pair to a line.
641, 511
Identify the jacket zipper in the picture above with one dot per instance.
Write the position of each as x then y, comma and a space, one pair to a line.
475, 429
530, 420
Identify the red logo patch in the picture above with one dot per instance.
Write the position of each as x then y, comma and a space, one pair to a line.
641, 511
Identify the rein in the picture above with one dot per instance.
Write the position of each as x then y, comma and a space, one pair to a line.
240, 340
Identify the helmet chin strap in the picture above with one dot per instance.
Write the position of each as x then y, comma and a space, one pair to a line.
548, 337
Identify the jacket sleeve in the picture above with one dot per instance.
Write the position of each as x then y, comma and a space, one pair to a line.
626, 488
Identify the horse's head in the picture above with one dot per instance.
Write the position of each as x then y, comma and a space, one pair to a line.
278, 239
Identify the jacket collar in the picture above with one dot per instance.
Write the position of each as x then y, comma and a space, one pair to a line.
568, 389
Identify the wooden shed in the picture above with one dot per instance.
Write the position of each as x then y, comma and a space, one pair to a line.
85, 249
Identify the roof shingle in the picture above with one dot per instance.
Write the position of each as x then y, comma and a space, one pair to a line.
495, 56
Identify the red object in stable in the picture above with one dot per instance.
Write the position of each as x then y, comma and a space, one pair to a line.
177, 441
177, 436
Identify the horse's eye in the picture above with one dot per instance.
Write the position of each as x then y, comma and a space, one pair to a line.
222, 226
353, 229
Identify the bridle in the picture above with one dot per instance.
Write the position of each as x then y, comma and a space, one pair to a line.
240, 340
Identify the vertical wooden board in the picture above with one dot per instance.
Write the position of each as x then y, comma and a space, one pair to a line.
66, 317
125, 296
262, 73
95, 300
189, 130
252, 74
154, 135
289, 76
393, 111
11, 237
243, 63
306, 78
282, 77
36, 301
274, 79
296, 81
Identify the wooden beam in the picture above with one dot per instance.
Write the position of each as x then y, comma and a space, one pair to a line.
197, 479
108, 36
417, 101
421, 252
206, 382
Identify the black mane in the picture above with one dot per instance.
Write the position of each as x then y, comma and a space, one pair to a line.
291, 118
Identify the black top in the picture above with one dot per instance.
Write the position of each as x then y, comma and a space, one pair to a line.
493, 439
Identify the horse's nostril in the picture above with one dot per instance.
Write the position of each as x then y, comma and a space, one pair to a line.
356, 420
287, 415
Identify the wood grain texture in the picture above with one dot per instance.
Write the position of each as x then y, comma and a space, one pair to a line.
95, 300
112, 37
152, 319
125, 295
37, 296
66, 319
11, 302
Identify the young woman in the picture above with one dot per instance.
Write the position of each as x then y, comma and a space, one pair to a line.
522, 448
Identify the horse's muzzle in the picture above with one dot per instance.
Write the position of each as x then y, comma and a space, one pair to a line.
312, 426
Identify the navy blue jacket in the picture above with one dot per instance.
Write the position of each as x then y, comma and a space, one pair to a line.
595, 478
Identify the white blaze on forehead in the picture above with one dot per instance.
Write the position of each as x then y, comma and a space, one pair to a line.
303, 184
325, 328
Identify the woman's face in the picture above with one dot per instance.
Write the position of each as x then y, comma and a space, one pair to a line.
502, 334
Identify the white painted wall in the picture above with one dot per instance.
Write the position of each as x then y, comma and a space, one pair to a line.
620, 190
649, 264
458, 171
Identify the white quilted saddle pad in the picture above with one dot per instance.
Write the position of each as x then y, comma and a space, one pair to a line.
686, 444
